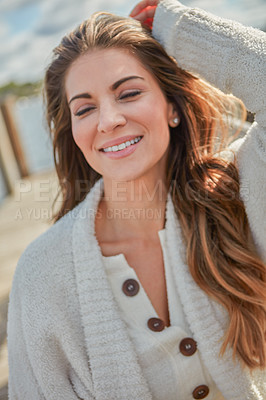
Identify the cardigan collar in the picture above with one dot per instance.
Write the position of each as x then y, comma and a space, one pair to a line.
116, 373
115, 370
206, 318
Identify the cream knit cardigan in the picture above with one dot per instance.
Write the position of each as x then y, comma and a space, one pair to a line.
66, 339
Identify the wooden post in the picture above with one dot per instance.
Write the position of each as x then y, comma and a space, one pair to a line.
9, 120
8, 162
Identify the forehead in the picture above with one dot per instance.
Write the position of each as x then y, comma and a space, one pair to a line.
103, 66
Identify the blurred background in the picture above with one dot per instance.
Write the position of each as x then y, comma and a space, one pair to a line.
29, 30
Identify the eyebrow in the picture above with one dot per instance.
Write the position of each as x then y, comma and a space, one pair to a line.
113, 87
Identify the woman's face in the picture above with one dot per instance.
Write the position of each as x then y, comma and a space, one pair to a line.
119, 115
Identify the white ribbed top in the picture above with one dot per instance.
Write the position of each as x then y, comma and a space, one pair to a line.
169, 374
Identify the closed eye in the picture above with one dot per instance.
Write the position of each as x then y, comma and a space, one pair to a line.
83, 111
130, 94
122, 97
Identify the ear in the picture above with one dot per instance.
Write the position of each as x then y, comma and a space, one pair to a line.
172, 115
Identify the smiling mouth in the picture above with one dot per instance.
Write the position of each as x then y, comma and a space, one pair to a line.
122, 146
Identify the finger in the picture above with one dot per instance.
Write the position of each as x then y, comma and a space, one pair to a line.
143, 4
148, 23
145, 14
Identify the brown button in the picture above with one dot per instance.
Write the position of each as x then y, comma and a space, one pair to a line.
188, 346
156, 324
130, 287
200, 392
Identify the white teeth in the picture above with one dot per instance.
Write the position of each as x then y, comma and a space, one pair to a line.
122, 146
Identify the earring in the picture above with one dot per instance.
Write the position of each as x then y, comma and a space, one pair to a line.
174, 122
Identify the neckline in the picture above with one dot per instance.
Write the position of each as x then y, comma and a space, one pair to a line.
160, 232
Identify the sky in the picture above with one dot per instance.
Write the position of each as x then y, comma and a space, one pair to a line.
30, 29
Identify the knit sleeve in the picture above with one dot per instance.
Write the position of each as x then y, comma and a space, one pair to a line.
22, 383
39, 368
227, 54
233, 58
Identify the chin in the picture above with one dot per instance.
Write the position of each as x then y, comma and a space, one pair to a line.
123, 176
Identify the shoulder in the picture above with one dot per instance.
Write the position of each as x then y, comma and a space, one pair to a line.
47, 265
48, 245
48, 259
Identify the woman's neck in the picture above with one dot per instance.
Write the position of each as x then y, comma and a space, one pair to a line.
133, 209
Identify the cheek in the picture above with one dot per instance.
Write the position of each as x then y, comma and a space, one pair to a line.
161, 134
156, 112
84, 138
81, 135
159, 123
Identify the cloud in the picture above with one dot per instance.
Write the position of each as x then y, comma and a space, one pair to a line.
4, 29
23, 56
15, 4
58, 16
63, 15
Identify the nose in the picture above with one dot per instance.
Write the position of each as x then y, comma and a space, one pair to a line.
110, 117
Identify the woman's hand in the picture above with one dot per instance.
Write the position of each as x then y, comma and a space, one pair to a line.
144, 12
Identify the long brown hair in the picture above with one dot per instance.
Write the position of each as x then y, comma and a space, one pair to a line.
204, 187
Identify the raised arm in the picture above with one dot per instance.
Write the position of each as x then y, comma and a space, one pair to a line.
227, 54
232, 57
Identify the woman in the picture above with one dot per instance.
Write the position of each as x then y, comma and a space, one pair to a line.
153, 287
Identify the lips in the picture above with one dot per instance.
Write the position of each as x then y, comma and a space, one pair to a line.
123, 150
118, 141
123, 145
